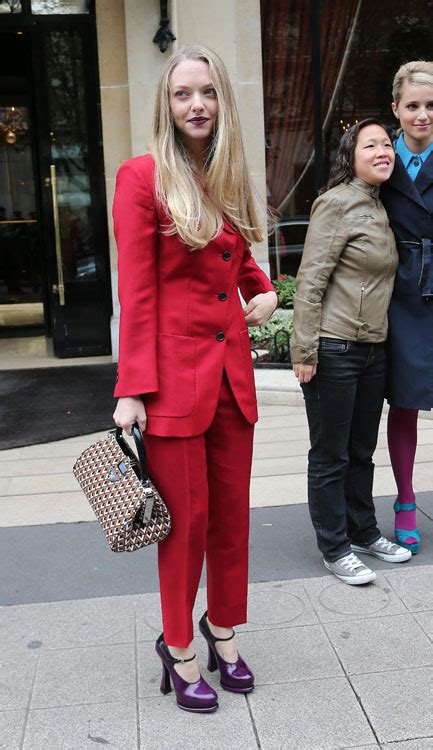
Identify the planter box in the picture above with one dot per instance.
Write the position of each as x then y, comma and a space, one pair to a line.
272, 350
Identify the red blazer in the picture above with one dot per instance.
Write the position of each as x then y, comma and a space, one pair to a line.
181, 318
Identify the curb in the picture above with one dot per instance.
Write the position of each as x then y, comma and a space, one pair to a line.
282, 388
277, 387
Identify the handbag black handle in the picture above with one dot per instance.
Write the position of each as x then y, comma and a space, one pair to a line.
139, 444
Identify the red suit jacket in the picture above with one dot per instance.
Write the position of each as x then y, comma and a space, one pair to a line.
181, 318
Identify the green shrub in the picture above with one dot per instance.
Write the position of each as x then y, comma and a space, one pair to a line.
263, 337
285, 287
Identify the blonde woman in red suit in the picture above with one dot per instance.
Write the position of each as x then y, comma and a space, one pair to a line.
184, 217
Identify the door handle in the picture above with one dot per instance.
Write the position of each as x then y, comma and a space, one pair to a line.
58, 288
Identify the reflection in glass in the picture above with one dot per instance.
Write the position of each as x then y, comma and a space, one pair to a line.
19, 255
69, 153
287, 78
10, 6
402, 31
285, 246
288, 82
45, 7
362, 44
357, 67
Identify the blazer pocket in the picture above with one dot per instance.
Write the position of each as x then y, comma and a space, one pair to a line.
248, 360
176, 377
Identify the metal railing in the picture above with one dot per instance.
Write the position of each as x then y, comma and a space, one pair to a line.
274, 353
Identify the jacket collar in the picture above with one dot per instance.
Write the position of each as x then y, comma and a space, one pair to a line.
406, 156
401, 181
424, 177
365, 187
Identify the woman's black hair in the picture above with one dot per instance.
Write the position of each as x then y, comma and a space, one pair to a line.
343, 168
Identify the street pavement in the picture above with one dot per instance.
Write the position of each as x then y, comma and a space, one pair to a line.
336, 666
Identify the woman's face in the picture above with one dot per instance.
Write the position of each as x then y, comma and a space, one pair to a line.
374, 155
193, 102
415, 112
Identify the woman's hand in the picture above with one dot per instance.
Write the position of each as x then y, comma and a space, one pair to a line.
260, 308
304, 373
129, 410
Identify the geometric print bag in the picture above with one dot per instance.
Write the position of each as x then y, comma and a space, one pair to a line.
126, 503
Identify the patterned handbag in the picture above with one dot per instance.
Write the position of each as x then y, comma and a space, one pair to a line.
126, 503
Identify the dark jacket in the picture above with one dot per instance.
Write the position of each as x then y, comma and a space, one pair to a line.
410, 362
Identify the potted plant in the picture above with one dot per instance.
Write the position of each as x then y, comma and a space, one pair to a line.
270, 342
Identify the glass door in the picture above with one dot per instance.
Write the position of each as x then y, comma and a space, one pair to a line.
21, 266
54, 261
73, 190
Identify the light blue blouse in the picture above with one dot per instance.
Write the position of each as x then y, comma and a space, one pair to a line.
412, 162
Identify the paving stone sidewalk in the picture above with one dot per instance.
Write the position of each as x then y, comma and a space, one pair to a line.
37, 485
336, 667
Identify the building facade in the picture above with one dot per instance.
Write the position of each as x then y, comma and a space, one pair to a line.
77, 85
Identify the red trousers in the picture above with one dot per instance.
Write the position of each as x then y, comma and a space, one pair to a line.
205, 482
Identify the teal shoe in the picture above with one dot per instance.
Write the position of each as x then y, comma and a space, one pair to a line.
402, 534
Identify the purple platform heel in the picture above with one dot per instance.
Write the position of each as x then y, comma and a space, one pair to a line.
197, 697
235, 677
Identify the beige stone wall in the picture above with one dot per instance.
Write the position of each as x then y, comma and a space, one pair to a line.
130, 66
114, 80
145, 63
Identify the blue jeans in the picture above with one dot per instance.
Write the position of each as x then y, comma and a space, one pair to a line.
344, 405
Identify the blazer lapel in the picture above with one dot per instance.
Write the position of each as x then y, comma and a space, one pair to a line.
424, 177
401, 181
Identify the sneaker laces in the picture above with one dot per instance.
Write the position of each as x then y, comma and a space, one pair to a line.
351, 562
385, 544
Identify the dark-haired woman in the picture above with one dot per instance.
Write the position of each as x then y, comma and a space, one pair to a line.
344, 287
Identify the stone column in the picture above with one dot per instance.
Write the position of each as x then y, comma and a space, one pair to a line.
116, 120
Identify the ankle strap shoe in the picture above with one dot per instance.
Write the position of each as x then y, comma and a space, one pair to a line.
235, 677
197, 697
408, 538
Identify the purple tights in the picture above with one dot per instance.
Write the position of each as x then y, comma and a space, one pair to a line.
402, 436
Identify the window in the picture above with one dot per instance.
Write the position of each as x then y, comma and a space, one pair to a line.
362, 43
10, 6
64, 7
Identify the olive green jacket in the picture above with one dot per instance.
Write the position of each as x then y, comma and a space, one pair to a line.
346, 277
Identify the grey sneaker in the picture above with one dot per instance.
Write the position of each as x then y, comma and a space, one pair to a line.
384, 550
351, 570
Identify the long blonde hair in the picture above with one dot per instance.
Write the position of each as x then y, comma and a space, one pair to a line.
196, 204
419, 72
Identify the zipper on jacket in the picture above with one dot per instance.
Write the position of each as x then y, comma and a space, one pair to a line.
362, 299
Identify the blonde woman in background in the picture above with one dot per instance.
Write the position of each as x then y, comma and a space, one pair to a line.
184, 218
408, 199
